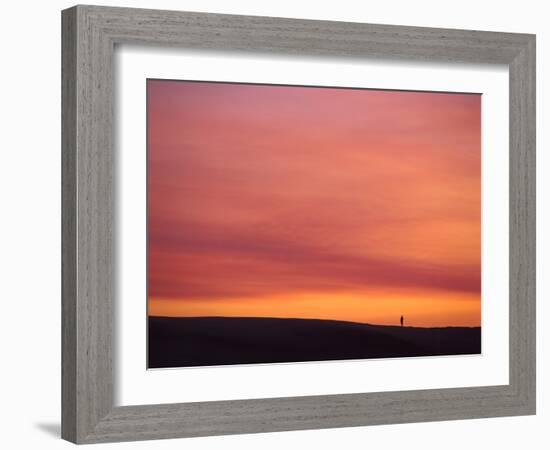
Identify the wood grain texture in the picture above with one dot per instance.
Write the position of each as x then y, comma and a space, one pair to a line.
523, 224
88, 260
89, 36
68, 225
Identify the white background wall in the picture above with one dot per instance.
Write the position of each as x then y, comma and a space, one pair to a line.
30, 225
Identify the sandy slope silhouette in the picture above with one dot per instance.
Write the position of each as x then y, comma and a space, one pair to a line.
206, 341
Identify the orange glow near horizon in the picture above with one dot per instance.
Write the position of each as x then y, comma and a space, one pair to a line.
425, 310
343, 204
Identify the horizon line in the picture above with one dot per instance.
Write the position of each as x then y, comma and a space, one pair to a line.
312, 319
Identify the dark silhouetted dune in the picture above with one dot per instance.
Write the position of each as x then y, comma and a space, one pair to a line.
207, 341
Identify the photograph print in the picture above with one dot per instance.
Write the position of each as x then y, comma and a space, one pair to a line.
289, 224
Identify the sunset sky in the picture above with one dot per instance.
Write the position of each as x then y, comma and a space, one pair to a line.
346, 204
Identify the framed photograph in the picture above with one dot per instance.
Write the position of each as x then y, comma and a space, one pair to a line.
278, 224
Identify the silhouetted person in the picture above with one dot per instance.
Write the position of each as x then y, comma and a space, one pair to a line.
401, 320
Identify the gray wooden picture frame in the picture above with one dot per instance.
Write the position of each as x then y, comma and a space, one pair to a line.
88, 43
